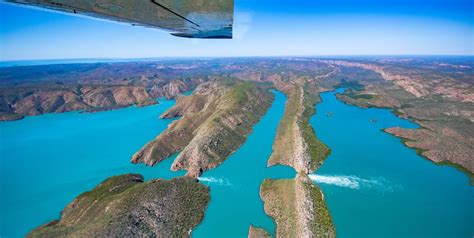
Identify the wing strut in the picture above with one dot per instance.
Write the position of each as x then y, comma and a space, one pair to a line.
175, 13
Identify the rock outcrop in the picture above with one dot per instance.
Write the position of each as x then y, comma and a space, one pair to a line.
126, 206
216, 120
298, 207
256, 232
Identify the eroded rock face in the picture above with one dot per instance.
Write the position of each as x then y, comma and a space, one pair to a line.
298, 207
108, 96
126, 206
46, 102
415, 83
54, 99
215, 121
174, 87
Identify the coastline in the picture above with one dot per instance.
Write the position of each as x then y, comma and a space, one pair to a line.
469, 174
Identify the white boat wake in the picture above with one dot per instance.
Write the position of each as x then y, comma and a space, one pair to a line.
218, 181
352, 182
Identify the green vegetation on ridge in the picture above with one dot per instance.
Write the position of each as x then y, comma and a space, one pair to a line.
125, 206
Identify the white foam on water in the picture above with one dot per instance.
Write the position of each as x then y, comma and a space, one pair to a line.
341, 181
218, 181
352, 182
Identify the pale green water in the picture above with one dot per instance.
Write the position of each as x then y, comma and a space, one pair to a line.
374, 186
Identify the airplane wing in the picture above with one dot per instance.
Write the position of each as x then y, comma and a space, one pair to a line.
183, 18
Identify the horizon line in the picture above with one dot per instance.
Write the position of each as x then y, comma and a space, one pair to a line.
243, 56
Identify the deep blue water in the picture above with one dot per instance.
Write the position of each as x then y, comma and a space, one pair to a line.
376, 187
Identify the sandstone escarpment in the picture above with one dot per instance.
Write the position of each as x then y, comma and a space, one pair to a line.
15, 104
174, 87
297, 206
47, 102
415, 81
215, 121
108, 96
126, 206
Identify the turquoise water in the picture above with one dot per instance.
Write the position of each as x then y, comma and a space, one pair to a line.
376, 187
235, 185
48, 160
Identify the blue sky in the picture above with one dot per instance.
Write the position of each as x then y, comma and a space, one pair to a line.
261, 28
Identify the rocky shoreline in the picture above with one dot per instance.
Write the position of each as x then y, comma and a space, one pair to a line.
29, 101
446, 118
215, 121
